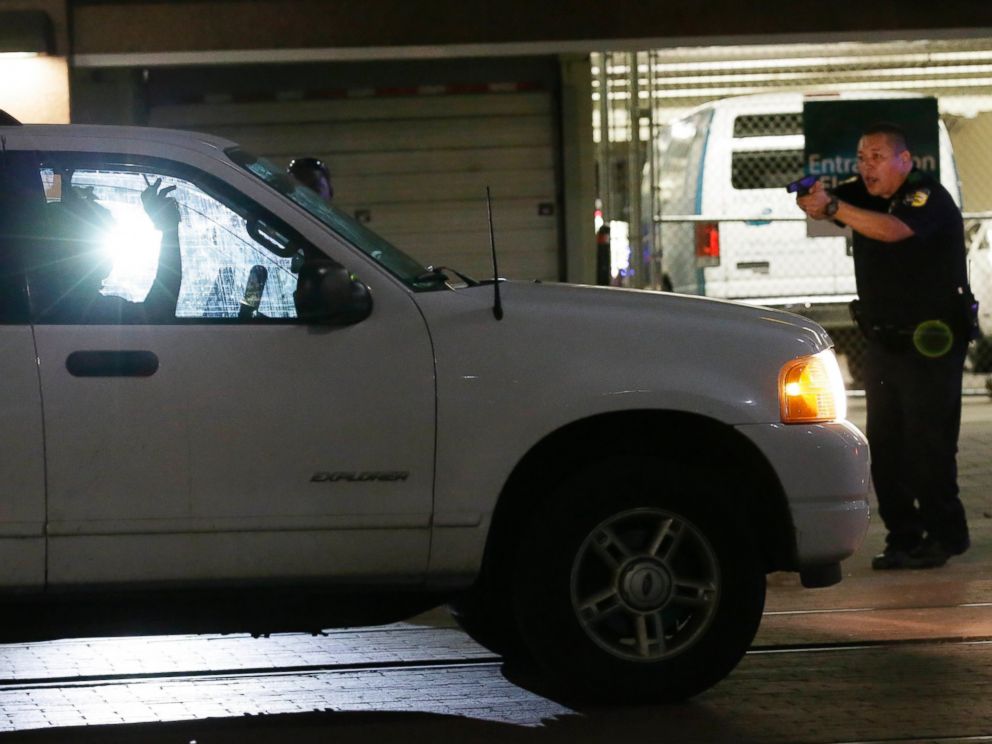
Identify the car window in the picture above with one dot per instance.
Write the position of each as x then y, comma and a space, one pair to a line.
99, 255
16, 171
410, 271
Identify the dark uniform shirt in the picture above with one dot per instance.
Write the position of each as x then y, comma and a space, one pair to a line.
919, 278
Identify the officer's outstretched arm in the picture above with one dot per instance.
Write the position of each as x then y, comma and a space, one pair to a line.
875, 225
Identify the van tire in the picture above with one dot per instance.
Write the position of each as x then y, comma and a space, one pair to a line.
679, 588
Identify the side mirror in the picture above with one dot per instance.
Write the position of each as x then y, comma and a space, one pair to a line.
327, 294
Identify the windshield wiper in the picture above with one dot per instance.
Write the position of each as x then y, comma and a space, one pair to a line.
441, 272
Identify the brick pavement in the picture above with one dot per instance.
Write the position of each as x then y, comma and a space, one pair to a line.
473, 691
68, 659
928, 692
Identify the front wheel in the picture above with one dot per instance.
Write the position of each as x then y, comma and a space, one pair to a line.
633, 583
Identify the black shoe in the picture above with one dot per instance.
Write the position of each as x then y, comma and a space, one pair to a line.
959, 547
931, 554
891, 559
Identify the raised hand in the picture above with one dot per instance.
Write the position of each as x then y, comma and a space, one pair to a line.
159, 206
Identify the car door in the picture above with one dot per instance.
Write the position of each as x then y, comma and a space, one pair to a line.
22, 477
230, 441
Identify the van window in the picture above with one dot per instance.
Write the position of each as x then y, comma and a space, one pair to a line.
765, 169
768, 125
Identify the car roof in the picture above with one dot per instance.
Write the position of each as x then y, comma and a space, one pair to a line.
81, 133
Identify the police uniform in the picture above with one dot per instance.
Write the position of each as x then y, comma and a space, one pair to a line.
910, 310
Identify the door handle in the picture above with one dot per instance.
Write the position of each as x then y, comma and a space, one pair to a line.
112, 364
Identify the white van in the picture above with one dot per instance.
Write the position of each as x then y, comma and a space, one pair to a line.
724, 167
979, 242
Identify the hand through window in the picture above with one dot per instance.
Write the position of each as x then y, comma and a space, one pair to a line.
159, 206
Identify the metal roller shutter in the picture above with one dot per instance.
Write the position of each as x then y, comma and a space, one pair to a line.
415, 162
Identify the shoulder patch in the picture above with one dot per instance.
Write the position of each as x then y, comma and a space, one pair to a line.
917, 198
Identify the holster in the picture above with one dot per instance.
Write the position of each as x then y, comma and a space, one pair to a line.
968, 320
963, 324
892, 337
857, 315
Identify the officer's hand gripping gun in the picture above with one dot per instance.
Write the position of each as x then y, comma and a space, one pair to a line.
802, 186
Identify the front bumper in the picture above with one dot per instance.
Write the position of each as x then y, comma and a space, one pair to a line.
824, 470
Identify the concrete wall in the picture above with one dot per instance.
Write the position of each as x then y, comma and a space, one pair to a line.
37, 89
200, 25
972, 139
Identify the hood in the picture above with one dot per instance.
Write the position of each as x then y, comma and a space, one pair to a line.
681, 315
594, 347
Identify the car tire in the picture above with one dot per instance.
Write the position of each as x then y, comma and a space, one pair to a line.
635, 582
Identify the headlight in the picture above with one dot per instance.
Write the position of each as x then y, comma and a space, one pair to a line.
811, 389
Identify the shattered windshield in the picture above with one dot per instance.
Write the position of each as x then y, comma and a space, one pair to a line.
413, 273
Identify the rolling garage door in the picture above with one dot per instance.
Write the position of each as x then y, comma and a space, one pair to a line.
414, 163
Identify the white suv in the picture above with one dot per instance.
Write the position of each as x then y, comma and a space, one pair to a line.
598, 481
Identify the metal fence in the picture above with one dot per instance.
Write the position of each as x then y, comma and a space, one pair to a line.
694, 174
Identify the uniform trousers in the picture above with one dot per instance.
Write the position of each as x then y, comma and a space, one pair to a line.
914, 417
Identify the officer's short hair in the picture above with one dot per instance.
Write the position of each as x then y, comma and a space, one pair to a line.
893, 132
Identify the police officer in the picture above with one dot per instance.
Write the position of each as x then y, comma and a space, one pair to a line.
909, 263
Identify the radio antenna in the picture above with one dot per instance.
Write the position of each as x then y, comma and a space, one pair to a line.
497, 304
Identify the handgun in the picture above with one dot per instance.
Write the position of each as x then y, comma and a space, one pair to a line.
802, 186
